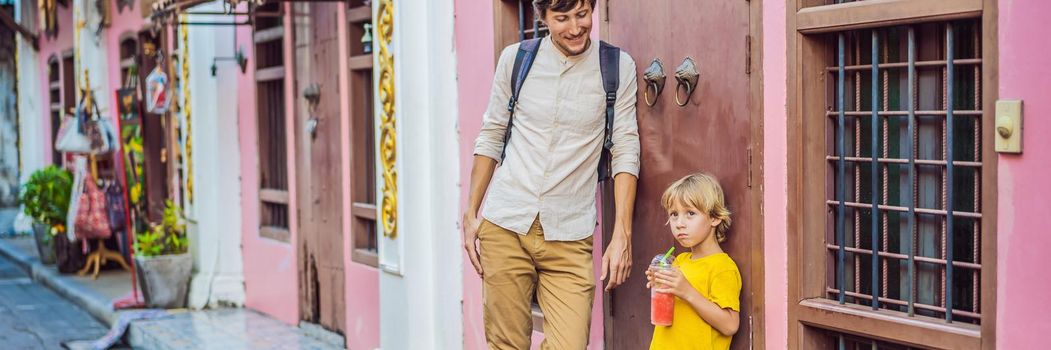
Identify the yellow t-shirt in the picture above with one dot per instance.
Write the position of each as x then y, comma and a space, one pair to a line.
716, 277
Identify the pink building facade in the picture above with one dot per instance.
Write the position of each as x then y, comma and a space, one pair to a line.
378, 302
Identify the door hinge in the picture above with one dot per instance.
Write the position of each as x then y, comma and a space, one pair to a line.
751, 333
749, 167
607, 10
747, 54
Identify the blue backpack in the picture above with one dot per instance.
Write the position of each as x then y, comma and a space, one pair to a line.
609, 64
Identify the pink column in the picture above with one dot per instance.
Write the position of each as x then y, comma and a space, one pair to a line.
271, 283
1023, 311
775, 175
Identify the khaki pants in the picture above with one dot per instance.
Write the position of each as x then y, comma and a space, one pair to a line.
562, 275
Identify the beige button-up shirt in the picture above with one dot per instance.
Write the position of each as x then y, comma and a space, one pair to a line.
556, 139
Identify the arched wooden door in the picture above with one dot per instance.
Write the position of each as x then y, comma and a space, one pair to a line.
713, 132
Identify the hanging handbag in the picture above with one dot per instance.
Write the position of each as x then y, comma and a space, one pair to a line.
115, 207
70, 139
117, 215
79, 173
92, 219
68, 255
82, 134
103, 137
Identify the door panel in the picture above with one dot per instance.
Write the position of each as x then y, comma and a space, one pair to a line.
154, 131
320, 236
712, 133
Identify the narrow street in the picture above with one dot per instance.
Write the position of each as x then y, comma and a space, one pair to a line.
34, 317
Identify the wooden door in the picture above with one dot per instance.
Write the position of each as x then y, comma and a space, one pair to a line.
317, 140
712, 133
154, 129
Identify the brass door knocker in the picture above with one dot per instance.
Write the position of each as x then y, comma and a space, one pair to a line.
687, 76
654, 77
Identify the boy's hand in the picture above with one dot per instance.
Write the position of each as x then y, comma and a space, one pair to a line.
649, 278
672, 281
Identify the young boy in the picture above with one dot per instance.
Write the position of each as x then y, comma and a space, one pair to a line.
705, 281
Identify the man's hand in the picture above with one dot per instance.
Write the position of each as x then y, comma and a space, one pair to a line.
616, 259
470, 240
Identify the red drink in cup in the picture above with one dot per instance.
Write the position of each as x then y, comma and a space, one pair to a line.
662, 305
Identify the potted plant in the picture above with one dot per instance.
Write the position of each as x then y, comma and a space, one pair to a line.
162, 261
45, 198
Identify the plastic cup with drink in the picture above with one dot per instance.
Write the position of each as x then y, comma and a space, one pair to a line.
662, 305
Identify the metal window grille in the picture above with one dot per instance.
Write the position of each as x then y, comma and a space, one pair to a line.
270, 97
365, 188
362, 150
903, 150
54, 92
529, 26
846, 341
273, 160
275, 215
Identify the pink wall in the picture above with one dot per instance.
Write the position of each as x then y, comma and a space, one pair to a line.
474, 72
271, 283
775, 174
53, 47
1023, 311
361, 281
127, 22
475, 64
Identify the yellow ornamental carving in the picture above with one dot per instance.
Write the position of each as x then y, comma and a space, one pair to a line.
388, 131
188, 157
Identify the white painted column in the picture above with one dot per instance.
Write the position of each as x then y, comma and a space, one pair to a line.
420, 305
215, 212
91, 48
30, 101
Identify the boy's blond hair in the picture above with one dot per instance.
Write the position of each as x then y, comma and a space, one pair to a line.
701, 191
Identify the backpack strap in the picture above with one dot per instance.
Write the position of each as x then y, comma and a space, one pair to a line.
609, 64
523, 62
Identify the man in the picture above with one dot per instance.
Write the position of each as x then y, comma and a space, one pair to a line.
534, 233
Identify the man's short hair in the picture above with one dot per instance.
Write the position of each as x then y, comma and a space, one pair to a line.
541, 6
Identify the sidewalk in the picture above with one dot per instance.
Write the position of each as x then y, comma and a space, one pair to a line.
206, 329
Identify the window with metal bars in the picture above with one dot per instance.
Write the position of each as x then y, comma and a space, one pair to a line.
903, 140
365, 245
847, 341
514, 21
529, 25
268, 37
54, 89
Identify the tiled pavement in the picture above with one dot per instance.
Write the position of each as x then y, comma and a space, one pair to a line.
34, 317
220, 329
208, 329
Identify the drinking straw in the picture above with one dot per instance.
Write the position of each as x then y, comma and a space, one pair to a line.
668, 254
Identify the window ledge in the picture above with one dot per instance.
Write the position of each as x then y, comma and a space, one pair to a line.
365, 257
889, 325
879, 13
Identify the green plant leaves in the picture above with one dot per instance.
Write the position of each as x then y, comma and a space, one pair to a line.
167, 237
46, 195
